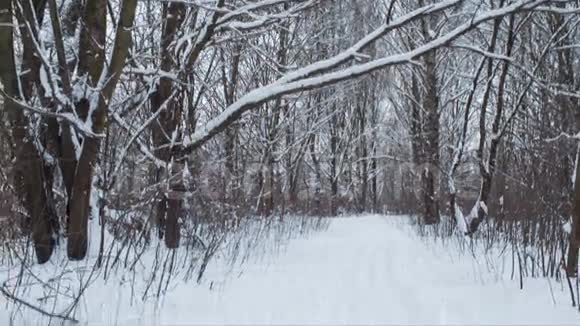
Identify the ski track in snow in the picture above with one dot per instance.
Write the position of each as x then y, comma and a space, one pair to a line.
363, 270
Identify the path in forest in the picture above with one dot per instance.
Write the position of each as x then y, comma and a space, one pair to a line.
370, 270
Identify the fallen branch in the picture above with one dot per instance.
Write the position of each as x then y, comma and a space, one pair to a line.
16, 299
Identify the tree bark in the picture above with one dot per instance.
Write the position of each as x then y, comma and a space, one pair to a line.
429, 170
28, 172
82, 187
572, 262
488, 167
168, 205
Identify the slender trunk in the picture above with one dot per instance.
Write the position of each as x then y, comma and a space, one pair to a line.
431, 134
169, 204
574, 247
364, 163
334, 165
232, 191
488, 166
374, 173
317, 171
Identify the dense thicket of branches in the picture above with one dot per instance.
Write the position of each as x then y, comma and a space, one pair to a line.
200, 111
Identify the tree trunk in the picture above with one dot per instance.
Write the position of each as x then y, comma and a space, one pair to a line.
82, 187
28, 172
334, 166
488, 167
169, 204
91, 61
572, 263
363, 159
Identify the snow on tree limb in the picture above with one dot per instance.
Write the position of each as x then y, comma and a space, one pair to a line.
300, 79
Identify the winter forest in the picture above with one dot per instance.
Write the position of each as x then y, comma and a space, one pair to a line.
289, 162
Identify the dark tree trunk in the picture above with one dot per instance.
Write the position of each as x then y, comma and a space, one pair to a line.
572, 263
430, 168
170, 202
29, 169
488, 167
82, 186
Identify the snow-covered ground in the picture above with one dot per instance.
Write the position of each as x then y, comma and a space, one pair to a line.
362, 270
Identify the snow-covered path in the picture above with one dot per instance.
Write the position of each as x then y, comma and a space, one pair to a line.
369, 270
362, 270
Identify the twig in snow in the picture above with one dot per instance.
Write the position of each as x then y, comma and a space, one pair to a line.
14, 298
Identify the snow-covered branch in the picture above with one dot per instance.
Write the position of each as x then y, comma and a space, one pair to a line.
300, 80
